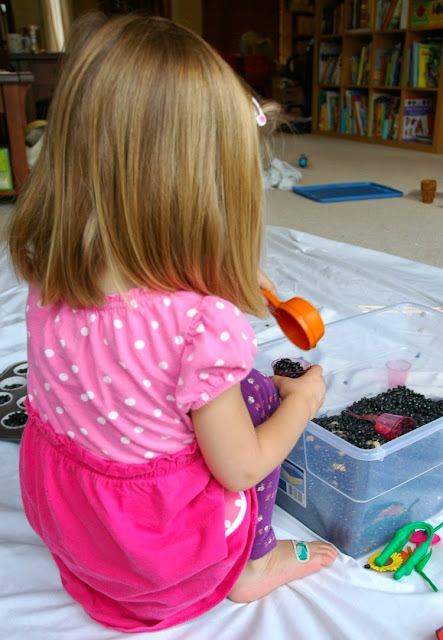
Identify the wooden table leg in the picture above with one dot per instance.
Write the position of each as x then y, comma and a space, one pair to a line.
14, 101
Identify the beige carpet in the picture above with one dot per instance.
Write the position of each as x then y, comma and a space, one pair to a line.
402, 226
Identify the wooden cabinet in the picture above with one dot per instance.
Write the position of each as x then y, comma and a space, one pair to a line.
377, 72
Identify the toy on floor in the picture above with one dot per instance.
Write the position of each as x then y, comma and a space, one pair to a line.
394, 558
304, 161
298, 320
428, 189
13, 393
346, 191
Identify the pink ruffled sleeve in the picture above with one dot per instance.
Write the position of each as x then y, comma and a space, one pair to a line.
219, 351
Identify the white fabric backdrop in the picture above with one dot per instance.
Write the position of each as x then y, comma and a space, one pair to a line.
344, 602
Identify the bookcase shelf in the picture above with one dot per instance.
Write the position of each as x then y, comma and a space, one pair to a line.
378, 72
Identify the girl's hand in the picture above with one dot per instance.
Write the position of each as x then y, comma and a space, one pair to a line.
310, 388
265, 283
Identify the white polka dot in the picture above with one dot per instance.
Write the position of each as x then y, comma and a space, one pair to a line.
179, 340
244, 336
254, 342
74, 310
39, 304
122, 364
90, 394
224, 336
130, 402
191, 313
219, 305
71, 434
170, 398
188, 441
62, 343
35, 392
190, 358
236, 311
238, 503
163, 365
45, 417
30, 397
180, 381
138, 429
107, 379
149, 454
139, 344
59, 410
125, 440
106, 342
118, 324
84, 431
227, 524
219, 363
177, 420
154, 324
63, 377
167, 302
204, 375
200, 328
84, 331
105, 452
113, 415
157, 413
47, 386
57, 319
230, 377
134, 304
49, 353
74, 368
92, 317
101, 420
167, 437
204, 396
84, 397
179, 406
147, 383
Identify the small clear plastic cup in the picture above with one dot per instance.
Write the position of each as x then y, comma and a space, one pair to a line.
280, 370
398, 371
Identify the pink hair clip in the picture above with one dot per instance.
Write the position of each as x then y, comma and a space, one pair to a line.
259, 116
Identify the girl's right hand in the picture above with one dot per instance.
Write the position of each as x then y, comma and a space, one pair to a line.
310, 388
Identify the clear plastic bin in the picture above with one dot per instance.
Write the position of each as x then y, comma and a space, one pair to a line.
357, 498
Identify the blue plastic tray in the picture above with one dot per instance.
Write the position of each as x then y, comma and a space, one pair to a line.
346, 191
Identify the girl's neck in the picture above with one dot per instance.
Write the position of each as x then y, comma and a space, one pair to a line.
109, 286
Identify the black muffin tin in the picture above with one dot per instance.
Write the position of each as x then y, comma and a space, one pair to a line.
13, 393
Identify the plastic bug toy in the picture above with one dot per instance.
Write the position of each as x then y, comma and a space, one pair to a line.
416, 560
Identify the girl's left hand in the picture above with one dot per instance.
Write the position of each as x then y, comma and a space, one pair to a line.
265, 283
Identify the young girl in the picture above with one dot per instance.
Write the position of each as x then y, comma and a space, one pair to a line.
139, 232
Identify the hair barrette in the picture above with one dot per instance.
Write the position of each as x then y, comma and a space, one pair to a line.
259, 115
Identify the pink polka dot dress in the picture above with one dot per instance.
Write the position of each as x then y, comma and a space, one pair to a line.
111, 441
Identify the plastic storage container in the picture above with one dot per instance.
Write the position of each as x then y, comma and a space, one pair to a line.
357, 498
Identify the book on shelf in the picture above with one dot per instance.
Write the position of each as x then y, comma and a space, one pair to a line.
332, 18
354, 113
329, 104
329, 58
387, 66
424, 62
359, 66
5, 170
383, 116
391, 14
427, 13
418, 119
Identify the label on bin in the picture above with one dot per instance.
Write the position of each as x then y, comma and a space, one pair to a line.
293, 482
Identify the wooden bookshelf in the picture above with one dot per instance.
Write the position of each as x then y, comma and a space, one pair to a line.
378, 72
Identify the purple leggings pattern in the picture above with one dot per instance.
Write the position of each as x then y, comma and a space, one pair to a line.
262, 399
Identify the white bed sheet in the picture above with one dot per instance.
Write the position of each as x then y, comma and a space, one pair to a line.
344, 602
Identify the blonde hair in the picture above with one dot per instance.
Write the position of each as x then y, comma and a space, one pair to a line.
150, 168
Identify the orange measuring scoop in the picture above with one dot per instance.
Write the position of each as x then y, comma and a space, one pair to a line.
298, 319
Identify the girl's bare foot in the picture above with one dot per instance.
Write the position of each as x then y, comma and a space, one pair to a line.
280, 566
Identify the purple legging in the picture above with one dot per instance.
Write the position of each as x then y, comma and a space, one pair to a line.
262, 399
